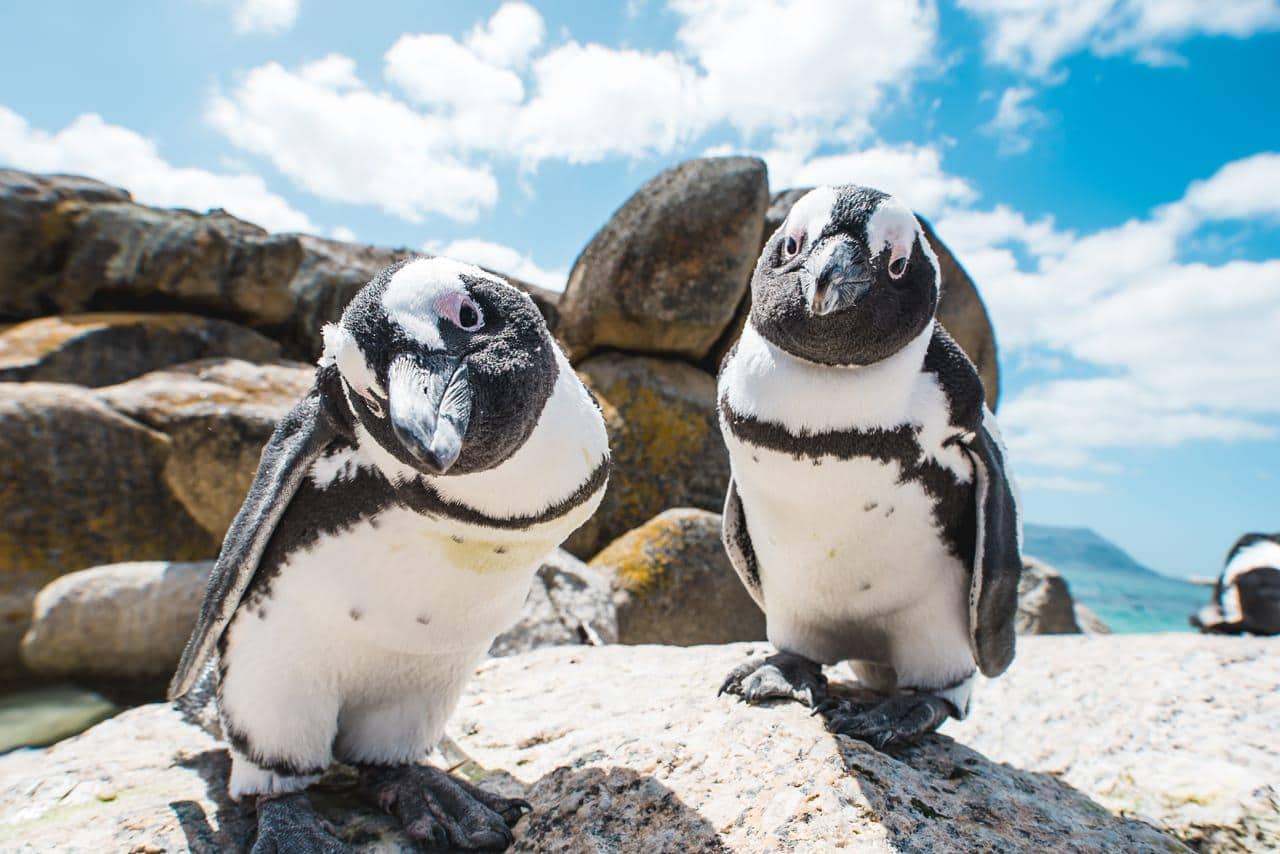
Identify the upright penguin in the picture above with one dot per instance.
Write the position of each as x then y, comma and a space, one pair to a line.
392, 531
1246, 596
869, 512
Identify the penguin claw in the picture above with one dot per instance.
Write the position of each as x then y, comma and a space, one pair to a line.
442, 812
895, 722
783, 676
288, 823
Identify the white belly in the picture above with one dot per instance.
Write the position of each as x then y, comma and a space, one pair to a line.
846, 552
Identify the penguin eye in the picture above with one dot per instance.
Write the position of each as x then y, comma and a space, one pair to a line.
897, 267
469, 318
790, 246
460, 310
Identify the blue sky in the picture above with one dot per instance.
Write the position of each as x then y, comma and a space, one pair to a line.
1108, 170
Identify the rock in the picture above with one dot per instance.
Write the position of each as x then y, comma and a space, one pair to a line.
1089, 622
960, 309
124, 621
673, 583
36, 218
665, 439
102, 349
1176, 729
70, 244
667, 271
41, 716
1045, 606
620, 749
80, 485
569, 603
217, 414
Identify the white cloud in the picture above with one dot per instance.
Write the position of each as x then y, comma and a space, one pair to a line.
510, 37
1033, 36
1183, 350
437, 71
1014, 119
913, 173
264, 16
501, 259
117, 155
343, 142
341, 232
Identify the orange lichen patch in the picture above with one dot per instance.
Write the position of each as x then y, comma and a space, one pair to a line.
641, 558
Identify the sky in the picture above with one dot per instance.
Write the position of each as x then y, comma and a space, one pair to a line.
1108, 171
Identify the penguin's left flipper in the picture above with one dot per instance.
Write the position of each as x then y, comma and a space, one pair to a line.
299, 438
288, 824
442, 812
783, 676
898, 721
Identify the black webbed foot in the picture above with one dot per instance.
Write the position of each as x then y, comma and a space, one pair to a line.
894, 722
782, 676
442, 812
288, 824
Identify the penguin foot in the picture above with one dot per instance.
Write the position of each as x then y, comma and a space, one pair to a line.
895, 722
783, 676
289, 824
442, 812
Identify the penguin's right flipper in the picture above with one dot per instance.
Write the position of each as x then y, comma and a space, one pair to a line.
299, 438
737, 544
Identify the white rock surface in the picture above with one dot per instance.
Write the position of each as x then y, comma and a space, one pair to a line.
628, 749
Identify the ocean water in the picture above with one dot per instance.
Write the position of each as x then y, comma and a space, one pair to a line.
1128, 596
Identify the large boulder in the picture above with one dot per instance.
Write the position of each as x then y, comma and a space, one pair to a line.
127, 621
628, 749
217, 414
569, 603
665, 274
1045, 606
673, 583
960, 310
665, 439
1176, 729
106, 348
80, 485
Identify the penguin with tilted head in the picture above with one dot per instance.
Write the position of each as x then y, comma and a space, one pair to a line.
870, 511
392, 531
1246, 595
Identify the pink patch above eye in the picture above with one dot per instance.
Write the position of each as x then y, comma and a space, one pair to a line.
451, 305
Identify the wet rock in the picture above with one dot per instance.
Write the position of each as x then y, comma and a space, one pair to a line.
102, 349
1045, 606
667, 271
569, 603
125, 621
665, 439
217, 415
618, 748
80, 485
673, 583
960, 309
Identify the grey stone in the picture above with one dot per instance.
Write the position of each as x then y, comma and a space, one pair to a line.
1045, 606
673, 583
105, 348
667, 271
124, 621
569, 603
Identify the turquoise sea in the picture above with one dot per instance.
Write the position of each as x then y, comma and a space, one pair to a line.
1128, 596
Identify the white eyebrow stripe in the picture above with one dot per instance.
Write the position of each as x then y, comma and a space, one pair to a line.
412, 294
813, 212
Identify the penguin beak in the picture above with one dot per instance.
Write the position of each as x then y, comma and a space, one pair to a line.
840, 278
430, 402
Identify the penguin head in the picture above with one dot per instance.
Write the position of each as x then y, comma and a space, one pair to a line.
447, 367
847, 279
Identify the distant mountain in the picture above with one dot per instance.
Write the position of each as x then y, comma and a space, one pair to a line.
1128, 596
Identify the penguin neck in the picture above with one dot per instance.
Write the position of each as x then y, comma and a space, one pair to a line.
767, 382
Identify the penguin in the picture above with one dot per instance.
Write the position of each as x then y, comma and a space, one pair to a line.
392, 530
870, 511
1246, 596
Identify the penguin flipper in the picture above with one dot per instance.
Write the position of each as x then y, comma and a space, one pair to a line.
737, 543
298, 439
997, 561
